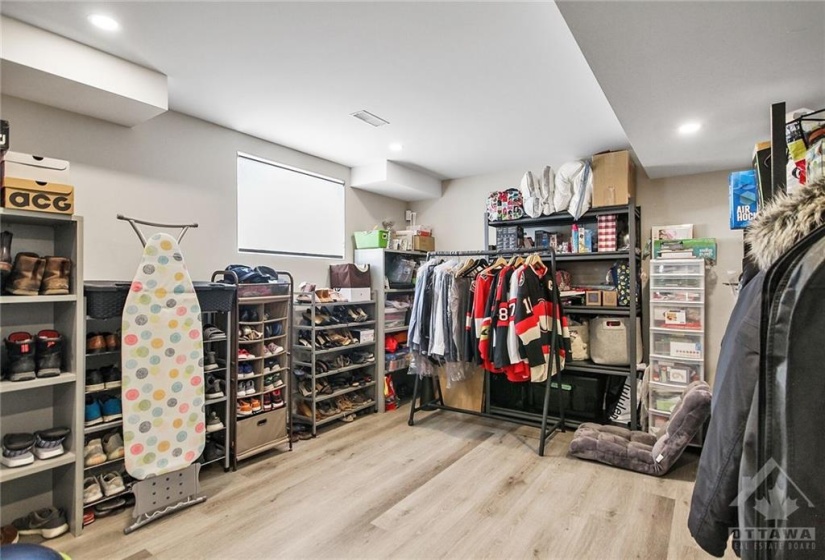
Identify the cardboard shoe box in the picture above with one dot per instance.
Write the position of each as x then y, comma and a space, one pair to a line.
614, 179
364, 335
354, 294
18, 165
24, 194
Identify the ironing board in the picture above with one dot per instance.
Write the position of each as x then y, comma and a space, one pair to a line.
164, 427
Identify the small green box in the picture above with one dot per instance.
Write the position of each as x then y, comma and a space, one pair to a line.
375, 239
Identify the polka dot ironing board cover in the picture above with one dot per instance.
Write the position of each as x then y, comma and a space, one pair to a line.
163, 382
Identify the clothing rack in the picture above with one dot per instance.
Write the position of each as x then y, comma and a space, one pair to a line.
514, 417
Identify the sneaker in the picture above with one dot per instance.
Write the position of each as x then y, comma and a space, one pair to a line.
277, 399
49, 443
274, 349
111, 409
277, 381
213, 387
20, 352
88, 516
9, 535
109, 507
244, 354
213, 451
211, 332
95, 343
209, 362
91, 490
213, 422
94, 414
255, 404
112, 378
112, 341
48, 522
113, 445
269, 383
112, 483
244, 408
305, 386
17, 450
93, 453
94, 381
245, 370
49, 353
267, 401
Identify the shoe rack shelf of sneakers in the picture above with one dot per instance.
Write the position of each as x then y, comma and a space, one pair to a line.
261, 375
334, 369
106, 485
217, 349
40, 398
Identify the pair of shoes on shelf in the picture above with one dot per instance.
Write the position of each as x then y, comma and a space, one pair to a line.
246, 388
102, 342
105, 409
20, 449
272, 330
107, 484
273, 400
100, 450
215, 387
273, 381
211, 333
32, 357
245, 371
272, 349
33, 275
248, 315
103, 379
211, 363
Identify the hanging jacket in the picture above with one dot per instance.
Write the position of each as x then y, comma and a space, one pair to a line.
775, 230
534, 317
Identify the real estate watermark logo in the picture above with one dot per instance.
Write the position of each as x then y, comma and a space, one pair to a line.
777, 507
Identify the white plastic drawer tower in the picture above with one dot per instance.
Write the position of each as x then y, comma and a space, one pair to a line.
677, 333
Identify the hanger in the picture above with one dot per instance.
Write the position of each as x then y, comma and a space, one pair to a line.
479, 266
467, 265
516, 261
499, 262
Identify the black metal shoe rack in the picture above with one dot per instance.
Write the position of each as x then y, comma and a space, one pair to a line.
502, 414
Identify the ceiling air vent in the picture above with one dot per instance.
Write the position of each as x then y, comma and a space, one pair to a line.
369, 118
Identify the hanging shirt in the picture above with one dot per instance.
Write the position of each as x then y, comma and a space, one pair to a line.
519, 370
485, 330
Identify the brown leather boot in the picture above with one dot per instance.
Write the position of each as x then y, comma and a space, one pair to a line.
56, 278
26, 275
95, 342
112, 341
5, 252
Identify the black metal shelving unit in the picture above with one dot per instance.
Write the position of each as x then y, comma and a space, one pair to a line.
632, 256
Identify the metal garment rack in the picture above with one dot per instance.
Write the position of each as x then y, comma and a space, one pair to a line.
437, 403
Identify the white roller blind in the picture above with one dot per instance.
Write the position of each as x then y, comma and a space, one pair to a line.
287, 211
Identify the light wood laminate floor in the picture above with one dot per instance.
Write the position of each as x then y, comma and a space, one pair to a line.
450, 487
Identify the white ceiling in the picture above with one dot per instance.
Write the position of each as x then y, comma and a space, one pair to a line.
473, 88
721, 63
469, 88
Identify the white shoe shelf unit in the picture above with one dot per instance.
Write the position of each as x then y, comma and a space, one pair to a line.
677, 333
270, 316
380, 261
307, 358
27, 406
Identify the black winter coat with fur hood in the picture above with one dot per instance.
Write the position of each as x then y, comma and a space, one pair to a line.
777, 228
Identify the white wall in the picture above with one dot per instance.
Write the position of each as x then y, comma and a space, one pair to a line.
458, 219
173, 168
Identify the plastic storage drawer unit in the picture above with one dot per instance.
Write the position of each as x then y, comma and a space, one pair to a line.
675, 372
676, 295
678, 345
663, 399
678, 268
679, 317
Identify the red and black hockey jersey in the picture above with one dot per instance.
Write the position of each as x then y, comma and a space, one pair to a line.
534, 317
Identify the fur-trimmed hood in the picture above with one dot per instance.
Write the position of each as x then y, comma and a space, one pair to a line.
784, 221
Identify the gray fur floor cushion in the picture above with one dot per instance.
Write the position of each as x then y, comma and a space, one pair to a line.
640, 451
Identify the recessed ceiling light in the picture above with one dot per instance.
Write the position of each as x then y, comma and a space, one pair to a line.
396, 147
690, 128
104, 22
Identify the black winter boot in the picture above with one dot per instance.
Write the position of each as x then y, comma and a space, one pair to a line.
49, 355
20, 352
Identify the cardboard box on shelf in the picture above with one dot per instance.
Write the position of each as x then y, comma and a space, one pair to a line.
364, 335
18, 165
593, 297
25, 194
614, 179
610, 298
423, 243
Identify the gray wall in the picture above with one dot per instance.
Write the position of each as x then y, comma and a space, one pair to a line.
698, 199
173, 168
